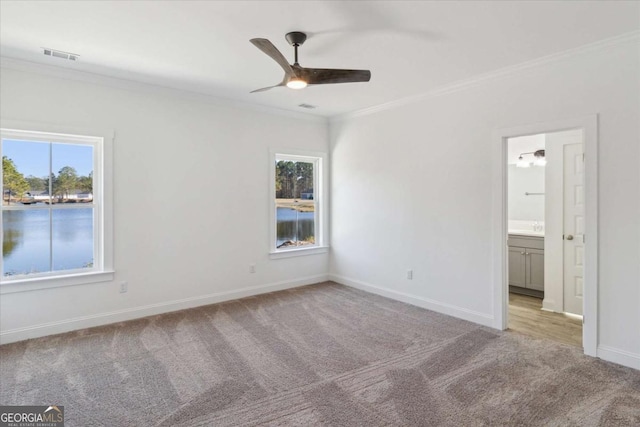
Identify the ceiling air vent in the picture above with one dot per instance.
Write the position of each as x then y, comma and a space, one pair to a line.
60, 54
307, 106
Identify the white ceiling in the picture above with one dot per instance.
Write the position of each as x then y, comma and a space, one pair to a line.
203, 46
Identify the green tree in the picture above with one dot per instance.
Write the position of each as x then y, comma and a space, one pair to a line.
285, 176
293, 178
66, 181
13, 181
36, 184
304, 178
85, 183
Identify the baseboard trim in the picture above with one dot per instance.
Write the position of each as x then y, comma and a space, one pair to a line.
621, 357
67, 325
448, 309
549, 305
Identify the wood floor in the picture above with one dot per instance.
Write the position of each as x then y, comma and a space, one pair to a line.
526, 316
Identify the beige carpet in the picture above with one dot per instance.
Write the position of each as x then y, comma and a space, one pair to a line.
322, 354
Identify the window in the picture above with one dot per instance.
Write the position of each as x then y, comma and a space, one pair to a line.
53, 210
297, 223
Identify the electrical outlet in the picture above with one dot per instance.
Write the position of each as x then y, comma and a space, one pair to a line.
252, 268
124, 287
410, 274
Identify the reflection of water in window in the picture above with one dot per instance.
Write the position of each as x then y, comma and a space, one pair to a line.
72, 243
30, 251
27, 244
287, 219
11, 239
72, 224
12, 231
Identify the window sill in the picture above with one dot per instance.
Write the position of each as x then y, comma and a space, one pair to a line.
290, 253
38, 283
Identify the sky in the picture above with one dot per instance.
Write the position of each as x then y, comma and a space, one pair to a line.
32, 158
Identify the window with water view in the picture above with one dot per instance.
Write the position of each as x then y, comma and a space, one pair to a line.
296, 210
47, 206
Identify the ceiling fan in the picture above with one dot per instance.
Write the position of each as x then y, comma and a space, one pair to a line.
297, 77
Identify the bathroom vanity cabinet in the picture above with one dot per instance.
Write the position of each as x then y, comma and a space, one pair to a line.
526, 265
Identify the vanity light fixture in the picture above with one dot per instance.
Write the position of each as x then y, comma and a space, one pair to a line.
522, 163
539, 159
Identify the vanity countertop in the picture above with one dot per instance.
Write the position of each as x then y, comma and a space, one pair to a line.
528, 233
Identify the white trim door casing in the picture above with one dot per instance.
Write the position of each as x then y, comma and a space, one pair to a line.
589, 125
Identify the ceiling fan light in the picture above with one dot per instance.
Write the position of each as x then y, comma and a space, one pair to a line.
296, 84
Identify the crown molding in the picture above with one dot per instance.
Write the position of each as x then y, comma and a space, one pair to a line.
501, 73
132, 85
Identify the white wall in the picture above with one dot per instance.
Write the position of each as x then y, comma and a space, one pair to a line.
412, 188
191, 200
521, 181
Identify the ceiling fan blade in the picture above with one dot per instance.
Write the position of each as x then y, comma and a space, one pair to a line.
267, 88
267, 47
318, 76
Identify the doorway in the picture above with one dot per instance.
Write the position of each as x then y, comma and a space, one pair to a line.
584, 284
545, 227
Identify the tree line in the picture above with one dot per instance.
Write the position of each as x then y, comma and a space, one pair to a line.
16, 185
293, 179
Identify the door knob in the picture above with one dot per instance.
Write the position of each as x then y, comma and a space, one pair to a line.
569, 237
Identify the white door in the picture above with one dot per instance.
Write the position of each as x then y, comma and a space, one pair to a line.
573, 228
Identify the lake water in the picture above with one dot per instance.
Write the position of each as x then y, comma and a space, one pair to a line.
32, 236
293, 225
27, 245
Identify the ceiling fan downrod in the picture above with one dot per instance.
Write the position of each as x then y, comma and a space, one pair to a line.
295, 39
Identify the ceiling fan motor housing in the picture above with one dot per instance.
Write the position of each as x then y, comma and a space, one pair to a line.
296, 38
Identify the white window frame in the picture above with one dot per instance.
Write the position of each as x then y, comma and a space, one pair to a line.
102, 270
319, 160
